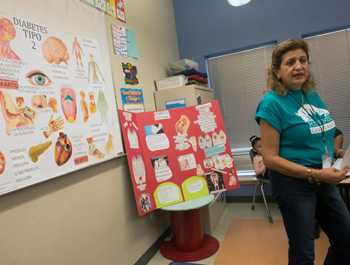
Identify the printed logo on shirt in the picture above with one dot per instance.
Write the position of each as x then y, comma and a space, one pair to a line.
322, 113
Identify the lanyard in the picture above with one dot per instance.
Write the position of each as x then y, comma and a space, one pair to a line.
322, 128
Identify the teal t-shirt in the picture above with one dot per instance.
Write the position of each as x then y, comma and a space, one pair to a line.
301, 138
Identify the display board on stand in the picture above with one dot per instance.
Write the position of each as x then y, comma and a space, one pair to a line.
177, 155
58, 109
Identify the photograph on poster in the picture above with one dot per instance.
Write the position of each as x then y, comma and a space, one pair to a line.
145, 202
160, 162
187, 162
156, 138
154, 129
208, 163
222, 161
215, 181
182, 125
160, 165
232, 180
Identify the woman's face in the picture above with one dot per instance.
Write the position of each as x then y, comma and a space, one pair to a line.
294, 69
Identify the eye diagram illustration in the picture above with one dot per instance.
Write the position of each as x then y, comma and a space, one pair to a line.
55, 51
7, 34
38, 78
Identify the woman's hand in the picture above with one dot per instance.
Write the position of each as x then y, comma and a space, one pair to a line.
332, 176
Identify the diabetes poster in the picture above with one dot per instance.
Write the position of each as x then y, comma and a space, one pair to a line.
177, 155
55, 108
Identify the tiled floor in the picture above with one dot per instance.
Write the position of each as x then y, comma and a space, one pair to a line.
233, 211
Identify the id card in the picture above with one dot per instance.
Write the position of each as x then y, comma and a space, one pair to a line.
327, 160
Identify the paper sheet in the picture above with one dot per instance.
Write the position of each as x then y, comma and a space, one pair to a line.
341, 163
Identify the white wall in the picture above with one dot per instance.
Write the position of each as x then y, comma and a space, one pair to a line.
90, 217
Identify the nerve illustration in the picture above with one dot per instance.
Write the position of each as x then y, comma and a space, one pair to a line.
93, 66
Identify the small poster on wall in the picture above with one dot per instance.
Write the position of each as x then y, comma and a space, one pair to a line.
111, 8
132, 100
119, 5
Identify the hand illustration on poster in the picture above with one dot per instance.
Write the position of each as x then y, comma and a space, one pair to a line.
54, 125
109, 144
175, 171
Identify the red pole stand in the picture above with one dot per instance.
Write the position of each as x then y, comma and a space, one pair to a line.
188, 242
187, 230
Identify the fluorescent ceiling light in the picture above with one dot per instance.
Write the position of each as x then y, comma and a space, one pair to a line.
238, 2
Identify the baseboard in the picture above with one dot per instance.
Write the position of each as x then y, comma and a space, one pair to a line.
154, 248
248, 199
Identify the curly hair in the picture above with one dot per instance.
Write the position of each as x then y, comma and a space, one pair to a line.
275, 84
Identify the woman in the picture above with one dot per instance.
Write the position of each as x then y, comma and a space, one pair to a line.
297, 130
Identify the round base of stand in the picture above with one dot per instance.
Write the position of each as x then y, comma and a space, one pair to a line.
211, 246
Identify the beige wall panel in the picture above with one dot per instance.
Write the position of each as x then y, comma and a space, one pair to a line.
90, 216
153, 23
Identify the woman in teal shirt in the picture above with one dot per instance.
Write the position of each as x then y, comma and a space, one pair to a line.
298, 135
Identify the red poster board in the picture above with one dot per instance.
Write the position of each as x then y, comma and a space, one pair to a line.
177, 155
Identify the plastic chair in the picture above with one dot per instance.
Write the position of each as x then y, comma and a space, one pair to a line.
262, 181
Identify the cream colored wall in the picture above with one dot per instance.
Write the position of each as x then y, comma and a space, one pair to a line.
154, 26
90, 216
